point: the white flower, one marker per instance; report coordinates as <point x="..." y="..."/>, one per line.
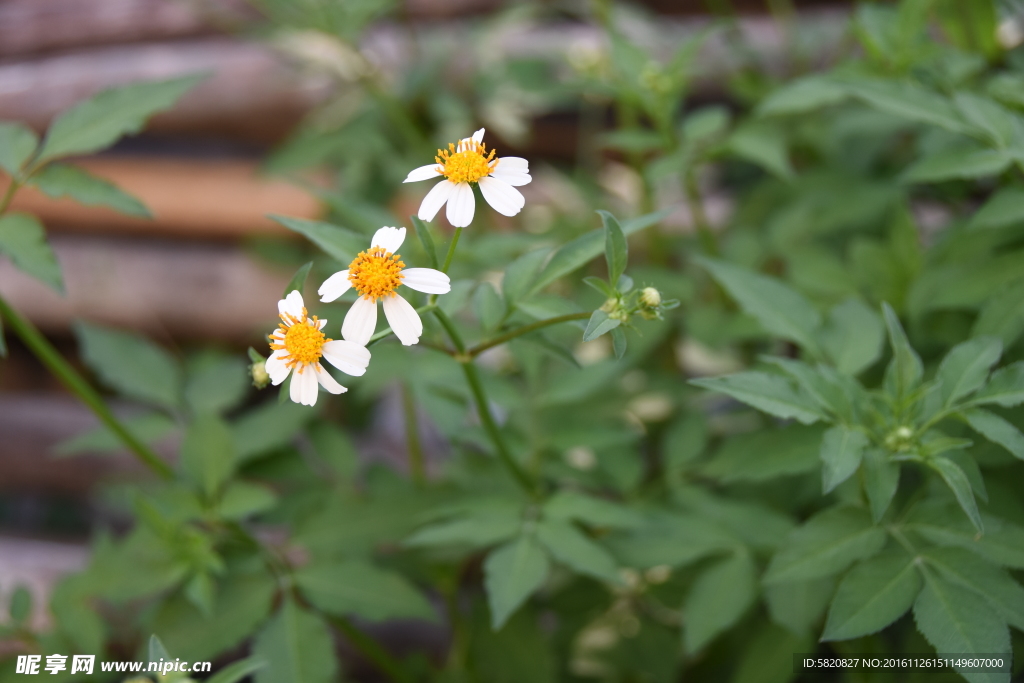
<point x="375" y="274"/>
<point x="298" y="344"/>
<point x="471" y="163"/>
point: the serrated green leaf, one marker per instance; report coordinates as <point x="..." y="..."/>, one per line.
<point x="945" y="524"/>
<point x="599" y="324"/>
<point x="958" y="164"/>
<point x="986" y="115"/>
<point x="146" y="428"/>
<point x="1005" y="207"/>
<point x="242" y="499"/>
<point x="826" y="544"/>
<point x="841" y="451"/>
<point x="427" y="240"/>
<point x="339" y="243"/>
<point x="958" y="482"/>
<point x="298" y="281"/>
<point x="881" y="479"/>
<point x="996" y="429"/>
<point x="965" y="368"/>
<point x="481" y="529"/>
<point x="100" y="121"/>
<point x="207" y="453"/>
<point x="853" y="336"/>
<point x="132" y="365"/>
<point x="359" y="588"/>
<point x="718" y="598"/>
<point x="17" y="142"/>
<point x="297" y="647"/>
<point x="766" y="454"/>
<point x="60" y="180"/>
<point x="23" y="239"/>
<point x="909" y="101"/>
<point x="512" y="573"/>
<point x="872" y="595"/>
<point x="596" y="512"/>
<point x="769" y="393"/>
<point x="672" y="539"/>
<point x="780" y="310"/>
<point x="802" y="95"/>
<point x="905" y="370"/>
<point x="956" y="622"/>
<point x="566" y="544"/>
<point x="236" y="671"/>
<point x="1004" y="595"/>
<point x="616" y="250"/>
<point x="1003" y="315"/>
<point x="765" y="144"/>
<point x="1005" y="387"/>
<point x="800" y="605"/>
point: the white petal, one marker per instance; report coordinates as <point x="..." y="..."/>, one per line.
<point x="512" y="177"/>
<point x="303" y="389"/>
<point x="461" y="205"/>
<point x="506" y="200"/>
<point x="291" y="304"/>
<point x="422" y="173"/>
<point x="326" y="381"/>
<point x="426" y="280"/>
<point x="320" y="324"/>
<point x="517" y="163"/>
<point x="334" y="286"/>
<point x="478" y="136"/>
<point x="276" y="368"/>
<point x="349" y="357"/>
<point x="389" y="238"/>
<point x="435" y="199"/>
<point x="360" y="321"/>
<point x="404" y="320"/>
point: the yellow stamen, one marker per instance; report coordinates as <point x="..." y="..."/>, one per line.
<point x="303" y="340"/>
<point x="467" y="165"/>
<point x="375" y="273"/>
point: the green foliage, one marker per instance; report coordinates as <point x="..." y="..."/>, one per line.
<point x="296" y="645"/>
<point x="23" y="240"/>
<point x="512" y="573"/>
<point x="60" y="180"/>
<point x="132" y="365"/>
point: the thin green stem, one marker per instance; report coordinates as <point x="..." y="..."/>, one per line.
<point x="525" y="329"/>
<point x="372" y="650"/>
<point x="9" y="195"/>
<point x="412" y="436"/>
<point x="451" y="250"/>
<point x="63" y="370"/>
<point x="453" y="334"/>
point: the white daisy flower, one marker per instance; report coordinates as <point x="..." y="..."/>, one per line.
<point x="376" y="274"/>
<point x="472" y="163"/>
<point x="298" y="344"/>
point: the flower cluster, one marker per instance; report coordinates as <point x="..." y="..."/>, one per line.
<point x="299" y="343"/>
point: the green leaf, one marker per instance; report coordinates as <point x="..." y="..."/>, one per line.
<point x="207" y="453"/>
<point x="17" y="142"/>
<point x="358" y="588"/>
<point x="132" y="365"/>
<point x="335" y="447"/>
<point x="965" y="368"/>
<point x="766" y="454"/>
<point x="802" y="95"/>
<point x="944" y="524"/>
<point x="763" y="143"/>
<point x="427" y="240"/>
<point x="512" y="573"/>
<point x="958" y="482"/>
<point x="158" y="653"/>
<point x="826" y="544"/>
<point x="59" y="180"/>
<point x="957" y="164"/>
<point x="595" y="512"/>
<point x="780" y="310"/>
<point x="242" y="499"/>
<point x="200" y="591"/>
<point x="619" y="343"/>
<point x="267" y="428"/>
<point x="339" y="243"/>
<point x="956" y="622"/>
<point x="100" y="121"/>
<point x="521" y="273"/>
<point x="909" y="101"/>
<point x="853" y="336"/>
<point x="881" y="479"/>
<point x="768" y="656"/>
<point x="20" y="606"/>
<point x="146" y="428"/>
<point x="987" y="115"/>
<point x="872" y="595"/>
<point x="298" y="281"/>
<point x="1005" y="387"/>
<point x="616" y="250"/>
<point x="672" y="539"/>
<point x="1004" y="595"/>
<point x="297" y="647"/>
<point x="215" y="383"/>
<point x="769" y="393"/>
<point x="599" y="324"/>
<point x="488" y="306"/>
<point x="483" y="527"/>
<point x="685" y="440"/>
<point x="800" y="605"/>
<point x="1005" y="207"/>
<point x="236" y="671"/>
<point x="23" y="239"/>
<point x="585" y="248"/>
<point x="841" y="451"/>
<point x="1003" y="315"/>
<point x="718" y="598"/>
<point x="568" y="545"/>
<point x="996" y="429"/>
<point x="905" y="370"/>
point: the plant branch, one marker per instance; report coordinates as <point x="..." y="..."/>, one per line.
<point x="412" y="436"/>
<point x="525" y="329"/>
<point x="68" y="376"/>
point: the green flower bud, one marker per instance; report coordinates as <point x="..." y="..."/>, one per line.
<point x="650" y="297"/>
<point x="260" y="376"/>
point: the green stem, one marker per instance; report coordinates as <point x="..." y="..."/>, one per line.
<point x="9" y="195"/>
<point x="525" y="329"/>
<point x="451" y="250"/>
<point x="482" y="405"/>
<point x="372" y="650"/>
<point x="708" y="240"/>
<point x="412" y="436"/>
<point x="63" y="370"/>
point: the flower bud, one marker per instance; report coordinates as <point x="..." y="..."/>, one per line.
<point x="260" y="376"/>
<point x="650" y="297"/>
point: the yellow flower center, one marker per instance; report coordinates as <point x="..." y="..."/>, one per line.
<point x="303" y="340"/>
<point x="375" y="273"/>
<point x="468" y="165"/>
